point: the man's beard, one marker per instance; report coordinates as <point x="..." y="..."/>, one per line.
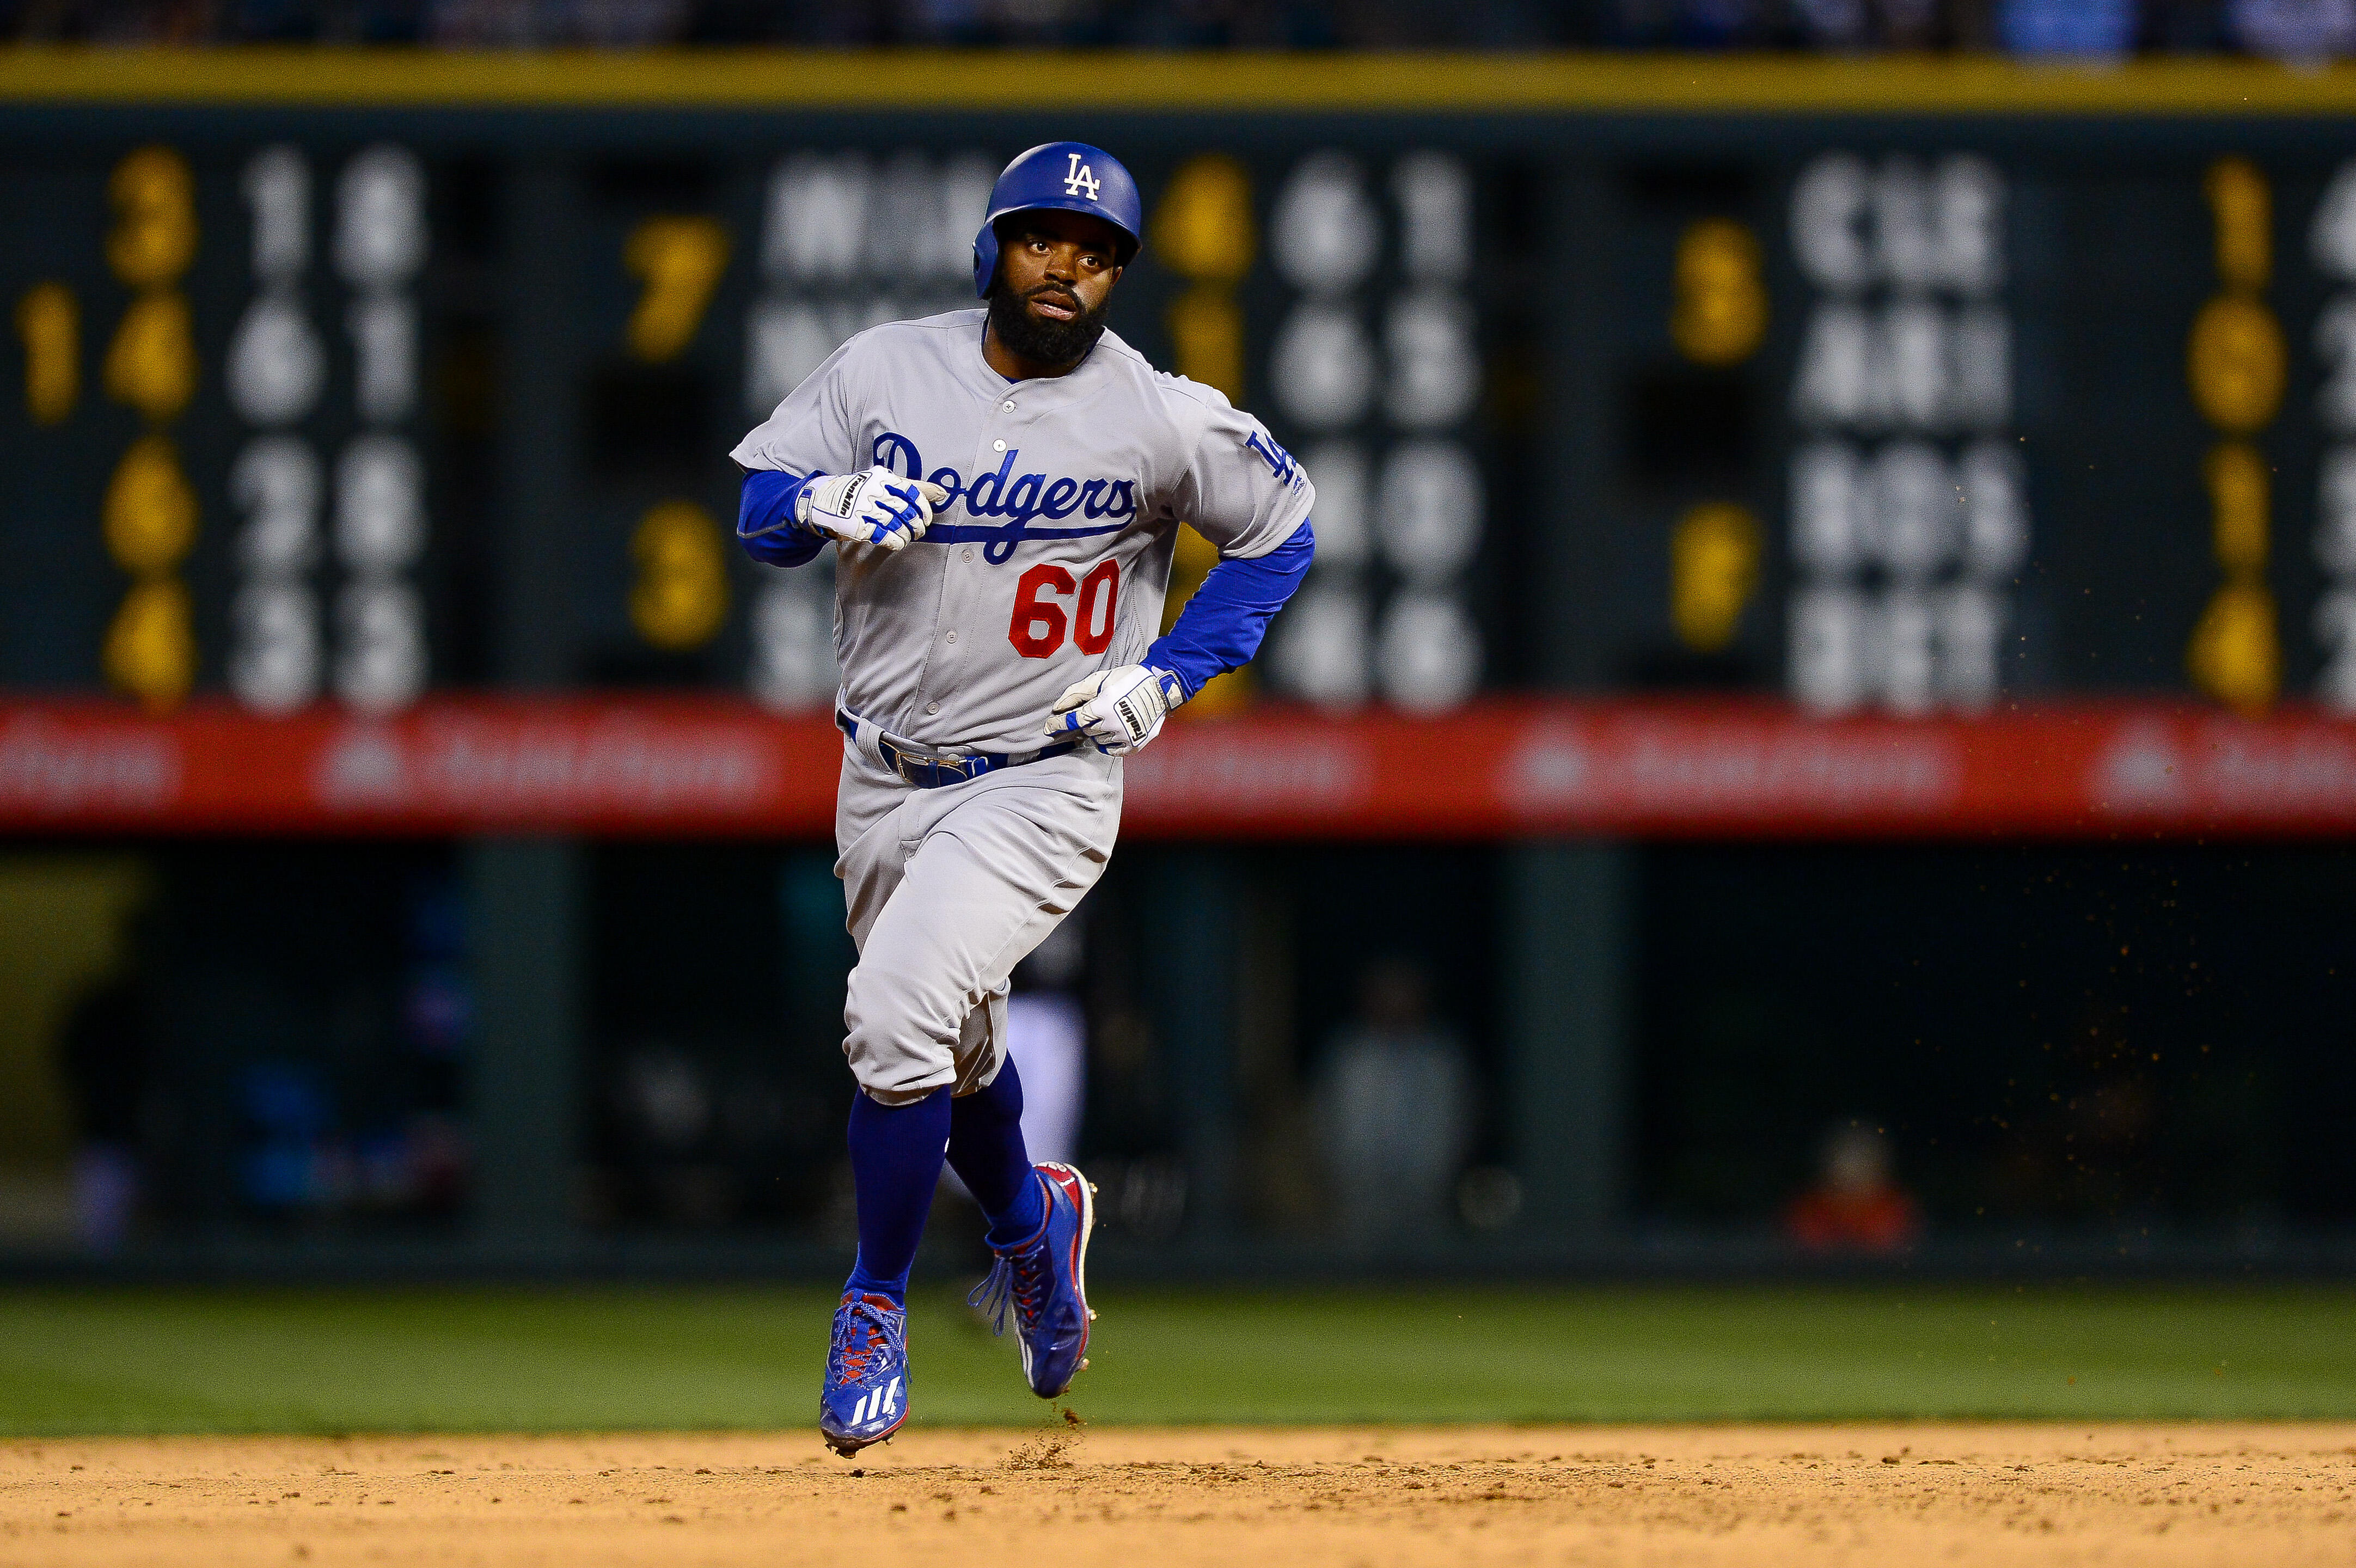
<point x="1056" y="342"/>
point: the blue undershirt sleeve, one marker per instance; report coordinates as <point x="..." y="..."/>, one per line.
<point x="764" y="519"/>
<point x="1221" y="627"/>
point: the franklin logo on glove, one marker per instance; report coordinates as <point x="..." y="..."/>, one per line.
<point x="874" y="506"/>
<point x="1119" y="709"/>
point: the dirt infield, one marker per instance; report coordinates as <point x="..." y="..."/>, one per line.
<point x="1235" y="1497"/>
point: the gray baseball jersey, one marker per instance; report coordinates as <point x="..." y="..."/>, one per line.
<point x="1052" y="557"/>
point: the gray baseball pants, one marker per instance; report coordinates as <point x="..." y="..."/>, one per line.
<point x="948" y="889"/>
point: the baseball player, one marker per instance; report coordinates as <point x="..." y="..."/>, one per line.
<point x="1001" y="488"/>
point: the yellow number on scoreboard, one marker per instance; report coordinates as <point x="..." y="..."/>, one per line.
<point x="679" y="260"/>
<point x="2244" y="210"/>
<point x="1721" y="308"/>
<point x="2238" y="363"/>
<point x="1203" y="229"/>
<point x="2238" y="490"/>
<point x="151" y="651"/>
<point x="2237" y="655"/>
<point x="152" y="363"/>
<point x="682" y="595"/>
<point x="150" y="513"/>
<point x="1713" y="568"/>
<point x="154" y="234"/>
<point x="50" y="324"/>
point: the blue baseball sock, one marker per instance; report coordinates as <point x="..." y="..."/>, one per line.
<point x="986" y="1151"/>
<point x="895" y="1163"/>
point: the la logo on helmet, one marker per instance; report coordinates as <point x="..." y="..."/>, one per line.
<point x="1080" y="179"/>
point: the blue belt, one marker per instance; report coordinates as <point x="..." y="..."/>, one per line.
<point x="932" y="770"/>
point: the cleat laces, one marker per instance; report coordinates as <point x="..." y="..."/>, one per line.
<point x="863" y="1332"/>
<point x="1020" y="1279"/>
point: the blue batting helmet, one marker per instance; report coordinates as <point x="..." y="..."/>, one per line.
<point x="1069" y="176"/>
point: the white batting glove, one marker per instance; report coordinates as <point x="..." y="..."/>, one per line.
<point x="1117" y="710"/>
<point x="874" y="506"/>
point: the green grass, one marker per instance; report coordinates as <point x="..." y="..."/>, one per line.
<point x="457" y="1360"/>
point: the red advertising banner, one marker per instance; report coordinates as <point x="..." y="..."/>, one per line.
<point x="719" y="766"/>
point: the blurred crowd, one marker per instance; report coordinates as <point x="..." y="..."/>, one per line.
<point x="2290" y="29"/>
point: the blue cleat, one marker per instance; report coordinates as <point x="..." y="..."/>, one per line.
<point x="1046" y="1280"/>
<point x="866" y="1394"/>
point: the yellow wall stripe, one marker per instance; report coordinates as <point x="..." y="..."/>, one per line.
<point x="935" y="79"/>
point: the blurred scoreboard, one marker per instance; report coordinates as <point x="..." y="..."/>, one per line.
<point x="1874" y="412"/>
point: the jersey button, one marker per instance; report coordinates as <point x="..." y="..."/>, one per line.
<point x="998" y="446"/>
<point x="968" y="554"/>
<point x="932" y="708"/>
<point x="952" y="636"/>
<point x="1007" y="406"/>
